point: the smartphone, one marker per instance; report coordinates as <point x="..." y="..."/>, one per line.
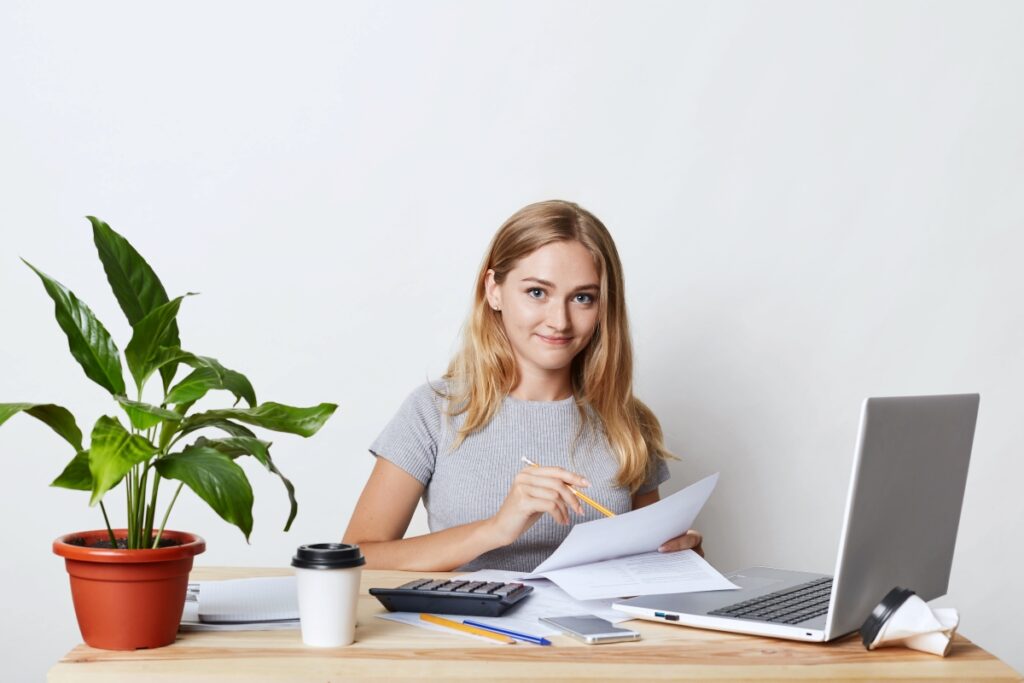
<point x="590" y="629"/>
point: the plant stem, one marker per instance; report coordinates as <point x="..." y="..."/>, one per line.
<point x="110" y="532"/>
<point x="128" y="492"/>
<point x="151" y="512"/>
<point x="156" y="541"/>
<point x="140" y="512"/>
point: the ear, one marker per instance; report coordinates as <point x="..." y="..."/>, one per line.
<point x="493" y="291"/>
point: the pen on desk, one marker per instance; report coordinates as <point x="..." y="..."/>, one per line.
<point x="472" y="630"/>
<point x="536" y="640"/>
<point x="586" y="499"/>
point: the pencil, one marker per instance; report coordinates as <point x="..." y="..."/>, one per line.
<point x="586" y="499"/>
<point x="473" y="630"/>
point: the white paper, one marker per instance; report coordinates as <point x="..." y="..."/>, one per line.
<point x="260" y="599"/>
<point x="190" y="618"/>
<point x="644" y="574"/>
<point x="413" y="619"/>
<point x="546" y="600"/>
<point x="630" y="533"/>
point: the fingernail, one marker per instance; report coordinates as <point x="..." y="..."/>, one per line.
<point x="662" y="549"/>
<point x="586" y="483"/>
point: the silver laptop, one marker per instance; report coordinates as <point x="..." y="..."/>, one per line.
<point x="899" y="529"/>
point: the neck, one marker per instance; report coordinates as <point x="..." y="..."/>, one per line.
<point x="542" y="385"/>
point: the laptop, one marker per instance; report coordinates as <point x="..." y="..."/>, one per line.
<point x="899" y="529"/>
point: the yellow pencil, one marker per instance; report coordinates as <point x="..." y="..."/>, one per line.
<point x="441" y="621"/>
<point x="586" y="499"/>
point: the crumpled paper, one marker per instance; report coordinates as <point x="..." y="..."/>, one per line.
<point x="919" y="627"/>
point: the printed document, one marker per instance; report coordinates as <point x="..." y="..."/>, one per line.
<point x="617" y="556"/>
<point x="644" y="574"/>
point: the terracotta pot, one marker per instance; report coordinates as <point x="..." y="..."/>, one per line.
<point x="128" y="599"/>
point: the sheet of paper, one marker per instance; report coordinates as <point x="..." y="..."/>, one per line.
<point x="643" y="574"/>
<point x="248" y="600"/>
<point x="546" y="600"/>
<point x="413" y="619"/>
<point x="630" y="533"/>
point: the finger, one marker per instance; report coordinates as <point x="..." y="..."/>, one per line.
<point x="691" y="540"/>
<point x="549" y="501"/>
<point x="570" y="478"/>
<point x="563" y="491"/>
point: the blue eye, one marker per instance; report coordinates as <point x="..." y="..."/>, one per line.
<point x="587" y="299"/>
<point x="530" y="292"/>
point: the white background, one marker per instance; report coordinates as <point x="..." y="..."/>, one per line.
<point x="814" y="202"/>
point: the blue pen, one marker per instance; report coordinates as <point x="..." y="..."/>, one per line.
<point x="505" y="632"/>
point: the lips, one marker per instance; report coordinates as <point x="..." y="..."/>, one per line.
<point x="555" y="341"/>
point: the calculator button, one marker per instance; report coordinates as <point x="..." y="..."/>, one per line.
<point x="452" y="586"/>
<point x="469" y="587"/>
<point x="508" y="588"/>
<point x="413" y="584"/>
<point x="432" y="585"/>
<point x="489" y="587"/>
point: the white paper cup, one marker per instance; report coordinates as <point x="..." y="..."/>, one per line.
<point x="327" y="578"/>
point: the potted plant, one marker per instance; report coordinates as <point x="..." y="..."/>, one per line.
<point x="128" y="584"/>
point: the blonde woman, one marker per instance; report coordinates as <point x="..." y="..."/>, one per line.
<point x="545" y="372"/>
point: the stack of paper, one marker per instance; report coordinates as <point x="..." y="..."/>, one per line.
<point x="617" y="557"/>
<point x="259" y="604"/>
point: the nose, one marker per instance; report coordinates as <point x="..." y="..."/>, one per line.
<point x="558" y="316"/>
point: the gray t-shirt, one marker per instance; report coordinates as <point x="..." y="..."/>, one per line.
<point x="470" y="483"/>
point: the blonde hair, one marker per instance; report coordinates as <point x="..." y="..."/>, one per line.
<point x="484" y="370"/>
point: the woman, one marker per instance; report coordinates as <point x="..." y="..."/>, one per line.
<point x="545" y="372"/>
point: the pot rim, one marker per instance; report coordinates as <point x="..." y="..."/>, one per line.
<point x="190" y="545"/>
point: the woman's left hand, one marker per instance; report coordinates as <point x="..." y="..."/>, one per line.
<point x="691" y="540"/>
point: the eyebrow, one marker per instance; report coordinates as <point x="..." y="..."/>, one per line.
<point x="552" y="284"/>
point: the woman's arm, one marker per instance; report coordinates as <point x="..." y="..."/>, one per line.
<point x="692" y="539"/>
<point x="386" y="506"/>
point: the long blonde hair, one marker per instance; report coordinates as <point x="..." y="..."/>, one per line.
<point x="484" y="370"/>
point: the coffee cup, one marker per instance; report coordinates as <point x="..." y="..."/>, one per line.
<point x="327" y="579"/>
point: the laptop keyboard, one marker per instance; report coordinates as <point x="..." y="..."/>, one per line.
<point x="789" y="606"/>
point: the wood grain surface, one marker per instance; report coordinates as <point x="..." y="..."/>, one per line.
<point x="387" y="650"/>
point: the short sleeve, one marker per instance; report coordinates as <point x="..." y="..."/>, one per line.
<point x="410" y="439"/>
<point x="658" y="475"/>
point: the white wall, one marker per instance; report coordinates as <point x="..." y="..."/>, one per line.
<point x="814" y="202"/>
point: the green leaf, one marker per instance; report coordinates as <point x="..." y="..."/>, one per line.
<point x="235" y="382"/>
<point x="137" y="288"/>
<point x="194" y="386"/>
<point x="276" y="416"/>
<point x="88" y="339"/>
<point x="194" y="422"/>
<point x="112" y="454"/>
<point x="166" y="355"/>
<point x="76" y="475"/>
<point x="145" y="415"/>
<point x="238" y="446"/>
<point x="148" y="335"/>
<point x="56" y="417"/>
<point x="216" y="479"/>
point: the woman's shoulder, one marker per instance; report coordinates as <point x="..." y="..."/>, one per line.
<point x="430" y="395"/>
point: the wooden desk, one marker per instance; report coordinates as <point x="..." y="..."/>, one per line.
<point x="388" y="650"/>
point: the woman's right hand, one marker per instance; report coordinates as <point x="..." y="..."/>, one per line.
<point x="534" y="491"/>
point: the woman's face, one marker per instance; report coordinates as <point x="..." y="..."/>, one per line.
<point x="549" y="305"/>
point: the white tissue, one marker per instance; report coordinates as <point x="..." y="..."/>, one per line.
<point x="919" y="627"/>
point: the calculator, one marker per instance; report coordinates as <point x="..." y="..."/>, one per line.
<point x="452" y="596"/>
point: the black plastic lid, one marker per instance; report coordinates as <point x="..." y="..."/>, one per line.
<point x="881" y="613"/>
<point x="328" y="556"/>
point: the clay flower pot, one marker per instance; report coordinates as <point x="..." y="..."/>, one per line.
<point x="128" y="599"/>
